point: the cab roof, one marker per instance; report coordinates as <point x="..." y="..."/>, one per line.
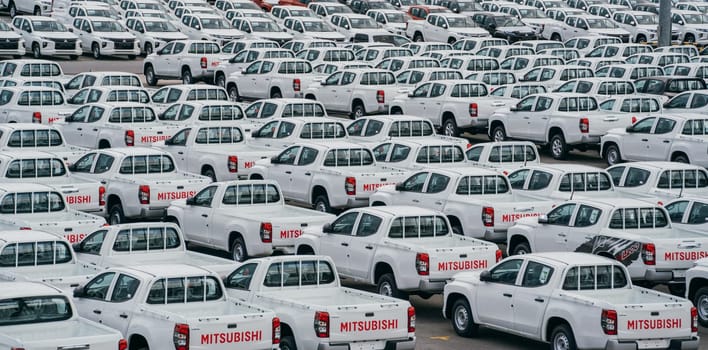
<point x="28" y="236"/>
<point x="133" y="151"/>
<point x="168" y="270"/>
<point x="663" y="165"/>
<point x="25" y="289"/>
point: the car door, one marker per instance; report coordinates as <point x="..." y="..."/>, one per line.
<point x="92" y="302"/>
<point x="176" y="145"/>
<point x="282" y="170"/>
<point x="660" y="140"/>
<point x="538" y="119"/>
<point x="303" y="172"/>
<point x="494" y="299"/>
<point x="363" y="245"/>
<point x="409" y="191"/>
<point x="262" y="80"/>
<point x="335" y="242"/>
<point x="176" y="58"/>
<point x="92" y="129"/>
<point x="344" y="91"/>
<point x="74" y="126"/>
<point x="165" y="61"/>
<point x="197" y="217"/>
<point x="115" y="310"/>
<point x="552" y="236"/>
<point x="635" y="144"/>
<point x="434" y="102"/>
<point x="531" y="298"/>
<point x="517" y="124"/>
<point x="418" y="100"/>
<point x="434" y="195"/>
<point x="329" y="88"/>
<point x="247" y="81"/>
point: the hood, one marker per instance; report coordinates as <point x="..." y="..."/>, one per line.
<point x="518" y="29"/>
<point x="273" y="35"/>
<point x="617" y="131"/>
<point x="10" y="35"/>
<point x="474" y="30"/>
<point x="169" y="36"/>
<point x="115" y="35"/>
<point x="327" y="35"/>
<point x="649" y="27"/>
<point x="56" y="35"/>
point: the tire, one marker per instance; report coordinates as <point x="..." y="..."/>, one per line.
<point x="358" y="110"/>
<point x="462" y="320"/>
<point x="287" y="343"/>
<point x="556" y="37"/>
<point x="559" y="149"/>
<point x="131" y="57"/>
<point x="612" y="155"/>
<point x="498" y="134"/>
<point x="73" y="57"/>
<point x="13" y="9"/>
<point x="562" y="338"/>
<point x="95" y="51"/>
<point x="386" y="285"/>
<point x="701" y="302"/>
<point x="148" y="49"/>
<point x="322" y="204"/>
<point x="276" y="94"/>
<point x="115" y="214"/>
<point x="187" y="76"/>
<point x="233" y="94"/>
<point x="689" y="38"/>
<point x="521" y="249"/>
<point x="36" y="51"/>
<point x="37" y="11"/>
<point x="238" y="250"/>
<point x="209" y="172"/>
<point x="418" y="37"/>
<point x="677" y="289"/>
<point x="449" y="128"/>
<point x="220" y="81"/>
<point x="640" y="39"/>
<point x="150" y="77"/>
<point x="680" y="158"/>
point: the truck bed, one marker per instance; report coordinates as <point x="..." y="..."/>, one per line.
<point x="63" y="276"/>
<point x="221" y="266"/>
<point x="323" y="296"/>
<point x="69" y="333"/>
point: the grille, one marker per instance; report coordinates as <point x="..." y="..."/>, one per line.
<point x="7" y="44"/>
<point x="64" y="44"/>
<point x="123" y="44"/>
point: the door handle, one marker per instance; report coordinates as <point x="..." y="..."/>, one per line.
<point x="544" y="118"/>
<point x="205" y="215"/>
<point x="645" y="140"/>
<point x="539" y="300"/>
<point x="345" y="244"/>
<point x="508" y="295"/>
<point x="561" y="235"/>
<point x="666" y="141"/>
<point x="79" y="129"/>
<point x="369" y="247"/>
<point x="416" y="201"/>
<point x="97" y="312"/>
<point x="288" y="172"/>
<point x="308" y="174"/>
<point x="123" y="316"/>
<point x="95" y="129"/>
<point x="438" y="202"/>
<point x="180" y="152"/>
<point x="588" y="237"/>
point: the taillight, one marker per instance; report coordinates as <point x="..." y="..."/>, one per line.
<point x="634" y="120"/>
<point x="488" y="216"/>
<point x="122" y="344"/>
<point x="296" y="85"/>
<point x="411" y="319"/>
<point x="473" y="110"/>
<point x="130" y="138"/>
<point x="144" y="194"/>
<point x="101" y="196"/>
<point x="584" y="125"/>
<point x="233" y="164"/>
<point x="649" y="253"/>
<point x="276" y="330"/>
<point x="608" y="321"/>
<point x="380" y="96"/>
<point x="266" y="232"/>
<point x="17" y="348"/>
<point x="350" y="186"/>
<point x="25" y="228"/>
<point x="422" y="264"/>
<point x="181" y="336"/>
<point x="322" y="324"/>
<point x="203" y="62"/>
<point x="694" y="320"/>
<point x="37" y="117"/>
<point x="499" y="255"/>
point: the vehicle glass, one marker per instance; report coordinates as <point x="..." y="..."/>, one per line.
<point x="28" y="310"/>
<point x="35" y="253"/>
<point x="146" y="239"/>
<point x="418" y="227"/>
<point x="184" y="290"/>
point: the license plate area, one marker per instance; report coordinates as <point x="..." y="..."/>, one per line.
<point x="653" y="344"/>
<point x="371" y="345"/>
<point x="679" y="273"/>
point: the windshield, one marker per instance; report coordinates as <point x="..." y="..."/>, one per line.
<point x="469" y="6"/>
<point x="214" y="23"/>
<point x="98" y="13"/>
<point x="315" y="26"/>
<point x="363" y="23"/>
<point x="48" y="26"/>
<point x="647" y="19"/>
<point x="106" y="26"/>
<point x="395" y="18"/>
<point x="509" y="22"/>
<point x="148" y="6"/>
<point x="338" y="9"/>
<point x="695" y="19"/>
<point x="532" y="13"/>
<point x="264" y="27"/>
<point x="600" y="23"/>
<point x="4" y="27"/>
<point x="301" y="13"/>
<point x="26" y="310"/>
<point x="159" y="26"/>
<point x="460" y="22"/>
<point x="396" y="40"/>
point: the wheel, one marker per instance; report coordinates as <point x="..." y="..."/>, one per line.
<point x="498" y="133"/>
<point x="187" y="76"/>
<point x="150" y="76"/>
<point x="556" y="37"/>
<point x="397" y="111"/>
<point x="209" y="172"/>
<point x="73" y="57"/>
<point x="641" y="38"/>
<point x="677" y="289"/>
<point x="238" y="250"/>
<point x="36" y="52"/>
<point x="288" y="343"/>
<point x="322" y="204"/>
<point x="701" y="302"/>
<point x="37" y="11"/>
<point x="521" y="249"/>
<point x="559" y="149"/>
<point x="131" y="57"/>
<point x="562" y="338"/>
<point x="680" y="158"/>
<point x="449" y="128"/>
<point x="115" y="215"/>
<point x="276" y="94"/>
<point x="233" y="94"/>
<point x="95" y="51"/>
<point x="220" y="81"/>
<point x="462" y="320"/>
<point x="418" y="37"/>
<point x="13" y="9"/>
<point x="386" y="285"/>
<point x="358" y="110"/>
<point x="689" y="38"/>
<point x="148" y="49"/>
<point x="612" y="155"/>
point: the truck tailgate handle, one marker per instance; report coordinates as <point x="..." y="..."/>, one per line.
<point x="689" y="245"/>
<point x="345" y="244"/>
<point x="123" y="316"/>
<point x="508" y="295"/>
<point x="180" y="187"/>
<point x="383" y="179"/>
<point x="524" y="209"/>
<point x="462" y="256"/>
<point x="369" y="247"/>
<point x="159" y="132"/>
<point x="539" y="300"/>
<point x="68" y="229"/>
<point x="369" y="314"/>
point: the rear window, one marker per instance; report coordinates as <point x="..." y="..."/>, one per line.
<point x="34" y="138"/>
<point x="146" y="239"/>
<point x="40" y="98"/>
<point x="300" y="110"/>
<point x="595" y="277"/>
<point x="132" y="115"/>
<point x="328" y="130"/>
<point x="512" y="154"/>
<point x="476" y="185"/>
<point x="184" y="290"/>
<point x="121" y="80"/>
<point x="695" y="126"/>
<point x="299" y="273"/>
<point x="40" y="70"/>
<point x="440" y="154"/>
<point x="31" y="202"/>
<point x="207" y="95"/>
<point x="138" y="96"/>
<point x="224" y="112"/>
<point x="248" y="194"/>
<point x="35" y="253"/>
<point x="637" y="218"/>
<point x="294" y="68"/>
<point x="154" y="164"/>
<point x="204" y="47"/>
<point x="32" y="168"/>
<point x="418" y="227"/>
<point x="378" y="78"/>
<point x="348" y="157"/>
<point x="29" y="310"/>
<point x="410" y="129"/>
<point x="683" y="179"/>
<point x="219" y="135"/>
<point x="582" y="182"/>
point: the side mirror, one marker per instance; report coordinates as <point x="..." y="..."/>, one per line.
<point x="159" y="53"/>
<point x="629" y="129"/>
<point x="485" y="276"/>
<point x="301" y="30"/>
<point x="400" y="187"/>
<point x="71" y="29"/>
<point x="190" y="201"/>
<point x="79" y="292"/>
<point x="327" y="228"/>
<point x="274" y="160"/>
<point x="141" y="30"/>
<point x="169" y="142"/>
<point x="680" y="23"/>
<point x="76" y="247"/>
<point x="72" y="167"/>
<point x="493" y="25"/>
<point x="543" y="219"/>
<point x="89" y="30"/>
<point x="247" y="30"/>
<point x="410" y="94"/>
<point x="285" y="30"/>
<point x="198" y="27"/>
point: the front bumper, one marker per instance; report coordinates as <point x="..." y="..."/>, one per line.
<point x="403" y="344"/>
<point x="682" y="344"/>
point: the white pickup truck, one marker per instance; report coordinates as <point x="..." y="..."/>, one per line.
<point x="478" y="202"/>
<point x="271" y="78"/>
<point x="144" y="244"/>
<point x="570" y="300"/>
<point x="689" y="213"/>
<point x="45" y="168"/>
<point x="120" y="124"/>
<point x="218" y="150"/>
<point x="636" y="233"/>
<point x="39" y="316"/>
<point x="505" y="156"/>
<point x="281" y="133"/>
<point x="445" y="27"/>
<point x="32" y="206"/>
<point x="188" y="60"/>
<point x="664" y="181"/>
<point x="33" y="104"/>
<point x="38" y="256"/>
<point x="420" y="154"/>
<point x="166" y="307"/>
<point x="400" y="249"/>
<point x="329" y="175"/>
<point x="303" y="288"/>
<point x="140" y="182"/>
<point x="48" y="138"/>
<point x="244" y="218"/>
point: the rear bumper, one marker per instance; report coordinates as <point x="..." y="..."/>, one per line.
<point x="431" y="286"/>
<point x="494" y="235"/>
<point x="153" y="212"/>
<point x="653" y="275"/>
<point x="404" y="344"/>
<point x="682" y="344"/>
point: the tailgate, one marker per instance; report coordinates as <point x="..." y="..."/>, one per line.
<point x="463" y="256"/>
<point x="164" y="192"/>
<point x="373" y="322"/>
<point x="243" y="332"/>
<point x="505" y="215"/>
<point x="679" y="254"/>
<point x="81" y="195"/>
<point x="654" y="321"/>
<point x="287" y="230"/>
<point x="147" y="135"/>
<point x="603" y="123"/>
<point x="368" y="183"/>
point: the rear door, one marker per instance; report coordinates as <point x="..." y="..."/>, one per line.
<point x="116" y="314"/>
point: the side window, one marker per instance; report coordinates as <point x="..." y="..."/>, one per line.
<point x="664" y="126"/>
<point x="98" y="287"/>
<point x="344" y="225"/>
<point x="636" y="177"/>
<point x="124" y="288"/>
<point x="84" y="164"/>
<point x="368" y="225"/>
<point x="561" y="215"/>
<point x="536" y="275"/>
<point x="205" y="197"/>
<point x="288" y="156"/>
<point x="437" y="183"/>
<point x="241" y="278"/>
<point x="587" y="216"/>
<point x="92" y="244"/>
<point x="307" y="156"/>
<point x="415" y="183"/>
<point x="677" y="209"/>
<point x="643" y="126"/>
<point x="699" y="214"/>
<point x="506" y="272"/>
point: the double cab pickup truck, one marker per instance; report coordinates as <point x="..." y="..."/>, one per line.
<point x="303" y="288"/>
<point x="245" y="218"/>
<point x="39" y="137"/>
<point x="570" y="300"/>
